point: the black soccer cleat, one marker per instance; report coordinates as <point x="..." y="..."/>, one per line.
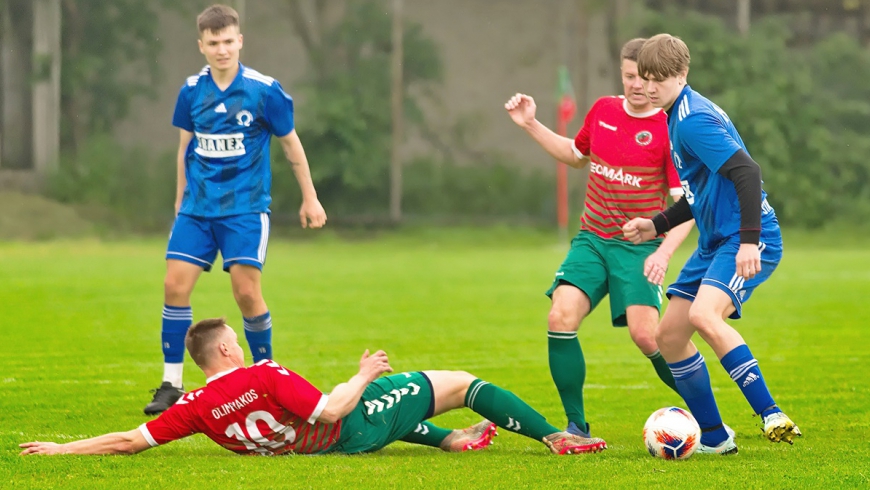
<point x="164" y="397"/>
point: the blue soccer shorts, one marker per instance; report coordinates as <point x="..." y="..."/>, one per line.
<point x="718" y="268"/>
<point x="241" y="239"/>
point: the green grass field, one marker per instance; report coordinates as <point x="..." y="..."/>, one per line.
<point x="79" y="350"/>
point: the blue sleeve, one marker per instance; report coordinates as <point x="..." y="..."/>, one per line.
<point x="279" y="110"/>
<point x="181" y="118"/>
<point x="708" y="139"/>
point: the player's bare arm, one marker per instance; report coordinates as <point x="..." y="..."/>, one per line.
<point x="522" y="110"/>
<point x="181" y="180"/>
<point x="346" y="396"/>
<point x="130" y="442"/>
<point x="656" y="265"/>
<point x="311" y="214"/>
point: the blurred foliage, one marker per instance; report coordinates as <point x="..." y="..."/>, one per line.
<point x="110" y="55"/>
<point x="803" y="114"/>
<point x="346" y="124"/>
<point x="125" y="189"/>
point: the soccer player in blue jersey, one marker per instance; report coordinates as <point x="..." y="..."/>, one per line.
<point x="738" y="248"/>
<point x="226" y="114"/>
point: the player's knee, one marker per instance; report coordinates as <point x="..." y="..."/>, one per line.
<point x="175" y="289"/>
<point x="563" y="319"/>
<point x="664" y="336"/>
<point x="703" y="319"/>
<point x="246" y="295"/>
<point x="645" y="339"/>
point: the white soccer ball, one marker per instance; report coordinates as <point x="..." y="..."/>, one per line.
<point x="671" y="433"/>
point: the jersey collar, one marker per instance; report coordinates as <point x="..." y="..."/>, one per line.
<point x="237" y="77"/>
<point x="683" y="94"/>
<point x="219" y="375"/>
<point x="631" y="113"/>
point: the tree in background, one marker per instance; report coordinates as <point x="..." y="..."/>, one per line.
<point x="346" y="124"/>
<point x="803" y="112"/>
<point x="110" y="55"/>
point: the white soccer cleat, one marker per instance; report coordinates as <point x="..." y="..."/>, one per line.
<point x="727" y="447"/>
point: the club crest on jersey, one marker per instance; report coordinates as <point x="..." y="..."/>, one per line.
<point x="244" y="118"/>
<point x="643" y="138"/>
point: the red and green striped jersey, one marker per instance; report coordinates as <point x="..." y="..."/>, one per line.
<point x="264" y="409"/>
<point x="631" y="170"/>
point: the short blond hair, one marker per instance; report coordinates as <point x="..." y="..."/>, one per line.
<point x="663" y="56"/>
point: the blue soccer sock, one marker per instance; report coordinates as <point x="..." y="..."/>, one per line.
<point x="743" y="369"/>
<point x="258" y="331"/>
<point x="693" y="383"/>
<point x="176" y="321"/>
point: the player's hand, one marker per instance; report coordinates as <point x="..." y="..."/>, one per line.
<point x="522" y="109"/>
<point x="372" y="366"/>
<point x="655" y="266"/>
<point x="41" y="448"/>
<point x="748" y="260"/>
<point x="639" y="230"/>
<point x="311" y="214"/>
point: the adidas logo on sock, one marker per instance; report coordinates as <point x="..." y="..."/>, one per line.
<point x="749" y="379"/>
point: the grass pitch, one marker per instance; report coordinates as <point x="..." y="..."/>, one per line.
<point x="79" y="350"/>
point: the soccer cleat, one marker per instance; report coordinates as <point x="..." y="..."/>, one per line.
<point x="778" y="427"/>
<point x="730" y="431"/>
<point x="727" y="447"/>
<point x="565" y="443"/>
<point x="575" y="430"/>
<point x="164" y="397"/>
<point x="474" y="438"/>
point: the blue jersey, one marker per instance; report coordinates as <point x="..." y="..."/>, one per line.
<point x="703" y="138"/>
<point x="227" y="166"/>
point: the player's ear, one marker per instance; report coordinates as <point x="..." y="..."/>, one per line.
<point x="241" y="41"/>
<point x="199" y="42"/>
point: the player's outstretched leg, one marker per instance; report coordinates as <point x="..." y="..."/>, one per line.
<point x="744" y="370"/>
<point x="478" y="436"/>
<point x="455" y="389"/>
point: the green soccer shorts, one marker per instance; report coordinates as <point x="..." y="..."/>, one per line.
<point x="600" y="266"/>
<point x="391" y="407"/>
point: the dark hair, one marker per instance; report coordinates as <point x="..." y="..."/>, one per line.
<point x="201" y="337"/>
<point x="631" y="49"/>
<point x="217" y="18"/>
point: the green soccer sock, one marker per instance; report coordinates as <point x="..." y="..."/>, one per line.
<point x="662" y="369"/>
<point x="506" y="410"/>
<point x="568" y="368"/>
<point x="427" y="434"/>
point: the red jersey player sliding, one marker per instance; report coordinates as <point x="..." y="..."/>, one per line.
<point x="268" y="409"/>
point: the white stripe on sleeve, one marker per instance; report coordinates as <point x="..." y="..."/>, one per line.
<point x="318" y="409"/>
<point x="147" y="435"/>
